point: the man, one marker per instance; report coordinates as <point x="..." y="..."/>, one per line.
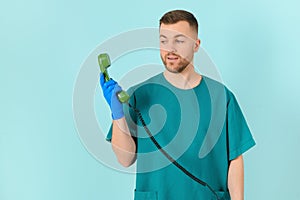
<point x="192" y="107"/>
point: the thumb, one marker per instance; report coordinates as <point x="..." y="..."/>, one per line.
<point x="117" y="89"/>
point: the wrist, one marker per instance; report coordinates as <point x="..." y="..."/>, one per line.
<point x="117" y="114"/>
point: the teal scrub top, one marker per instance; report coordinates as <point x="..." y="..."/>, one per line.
<point x="203" y="128"/>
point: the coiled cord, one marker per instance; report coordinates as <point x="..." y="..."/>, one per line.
<point x="172" y="160"/>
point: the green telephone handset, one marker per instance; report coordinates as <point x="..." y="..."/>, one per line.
<point x="104" y="63"/>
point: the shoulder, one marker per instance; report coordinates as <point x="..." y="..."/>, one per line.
<point x="218" y="88"/>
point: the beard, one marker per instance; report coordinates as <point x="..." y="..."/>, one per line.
<point x="176" y="66"/>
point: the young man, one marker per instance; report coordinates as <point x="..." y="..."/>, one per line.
<point x="183" y="110"/>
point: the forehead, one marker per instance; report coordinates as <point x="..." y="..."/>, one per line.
<point x="179" y="28"/>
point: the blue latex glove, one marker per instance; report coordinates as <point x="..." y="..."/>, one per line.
<point x="110" y="89"/>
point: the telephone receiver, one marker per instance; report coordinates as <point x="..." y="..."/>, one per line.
<point x="104" y="63"/>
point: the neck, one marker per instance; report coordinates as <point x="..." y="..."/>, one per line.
<point x="187" y="79"/>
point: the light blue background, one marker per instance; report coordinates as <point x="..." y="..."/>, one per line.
<point x="255" y="45"/>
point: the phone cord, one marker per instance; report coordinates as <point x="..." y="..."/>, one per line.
<point x="168" y="155"/>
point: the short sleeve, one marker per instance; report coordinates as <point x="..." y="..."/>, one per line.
<point x="239" y="136"/>
<point x="130" y="117"/>
<point x="109" y="134"/>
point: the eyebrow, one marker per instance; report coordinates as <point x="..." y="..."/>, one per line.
<point x="176" y="36"/>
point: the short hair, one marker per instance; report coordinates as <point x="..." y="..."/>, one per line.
<point x="175" y="16"/>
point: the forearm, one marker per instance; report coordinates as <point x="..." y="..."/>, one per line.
<point x="236" y="179"/>
<point x="122" y="143"/>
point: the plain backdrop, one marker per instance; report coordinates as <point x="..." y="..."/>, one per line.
<point x="254" y="44"/>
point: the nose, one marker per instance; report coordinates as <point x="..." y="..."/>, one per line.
<point x="171" y="48"/>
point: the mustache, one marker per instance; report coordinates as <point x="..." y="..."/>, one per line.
<point x="172" y="54"/>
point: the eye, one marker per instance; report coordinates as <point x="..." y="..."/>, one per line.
<point x="163" y="41"/>
<point x="179" y="41"/>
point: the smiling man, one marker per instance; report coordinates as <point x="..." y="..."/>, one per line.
<point x="184" y="95"/>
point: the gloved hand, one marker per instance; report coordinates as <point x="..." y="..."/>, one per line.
<point x="110" y="90"/>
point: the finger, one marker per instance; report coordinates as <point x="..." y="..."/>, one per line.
<point x="109" y="91"/>
<point x="109" y="83"/>
<point x="111" y="87"/>
<point x="102" y="79"/>
<point x="117" y="88"/>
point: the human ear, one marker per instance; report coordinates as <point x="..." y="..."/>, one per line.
<point x="197" y="45"/>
